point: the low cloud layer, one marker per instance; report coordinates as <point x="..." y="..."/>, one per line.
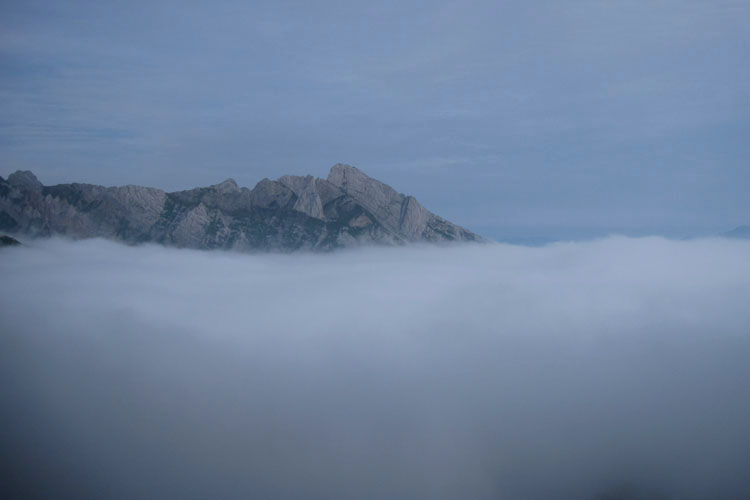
<point x="610" y="369"/>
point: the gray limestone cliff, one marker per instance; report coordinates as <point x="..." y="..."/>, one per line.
<point x="292" y="213"/>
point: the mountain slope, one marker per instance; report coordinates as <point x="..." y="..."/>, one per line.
<point x="7" y="241"/>
<point x="740" y="232"/>
<point x="291" y="213"/>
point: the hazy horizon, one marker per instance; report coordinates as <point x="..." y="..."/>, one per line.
<point x="542" y="234"/>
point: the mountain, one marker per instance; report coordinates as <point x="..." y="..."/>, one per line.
<point x="291" y="213"/>
<point x="7" y="241"/>
<point x="740" y="232"/>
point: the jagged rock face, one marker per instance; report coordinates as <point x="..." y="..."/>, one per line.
<point x="398" y="213"/>
<point x="294" y="212"/>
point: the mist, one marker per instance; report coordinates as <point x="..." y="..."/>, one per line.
<point x="610" y="369"/>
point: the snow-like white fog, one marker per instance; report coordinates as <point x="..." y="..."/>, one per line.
<point x="610" y="369"/>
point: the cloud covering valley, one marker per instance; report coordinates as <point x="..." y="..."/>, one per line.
<point x="576" y="370"/>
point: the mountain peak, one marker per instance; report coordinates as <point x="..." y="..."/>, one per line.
<point x="25" y="179"/>
<point x="227" y="186"/>
<point x="341" y="174"/>
<point x="291" y="213"/>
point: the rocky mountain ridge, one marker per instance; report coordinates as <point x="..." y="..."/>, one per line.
<point x="348" y="208"/>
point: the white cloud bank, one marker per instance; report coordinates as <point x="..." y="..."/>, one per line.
<point x="587" y="370"/>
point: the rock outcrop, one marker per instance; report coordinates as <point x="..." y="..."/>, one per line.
<point x="7" y="241"/>
<point x="292" y="213"/>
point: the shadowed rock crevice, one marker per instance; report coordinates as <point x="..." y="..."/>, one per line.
<point x="7" y="241"/>
<point x="291" y="213"/>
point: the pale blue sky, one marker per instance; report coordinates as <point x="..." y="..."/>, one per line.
<point x="525" y="116"/>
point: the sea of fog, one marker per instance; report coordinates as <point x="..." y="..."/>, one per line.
<point x="611" y="369"/>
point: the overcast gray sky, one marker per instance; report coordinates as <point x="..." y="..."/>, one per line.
<point x="497" y="115"/>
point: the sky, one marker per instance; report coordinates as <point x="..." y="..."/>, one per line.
<point x="512" y="117"/>
<point x="608" y="369"/>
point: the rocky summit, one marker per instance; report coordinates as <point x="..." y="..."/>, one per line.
<point x="291" y="213"/>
